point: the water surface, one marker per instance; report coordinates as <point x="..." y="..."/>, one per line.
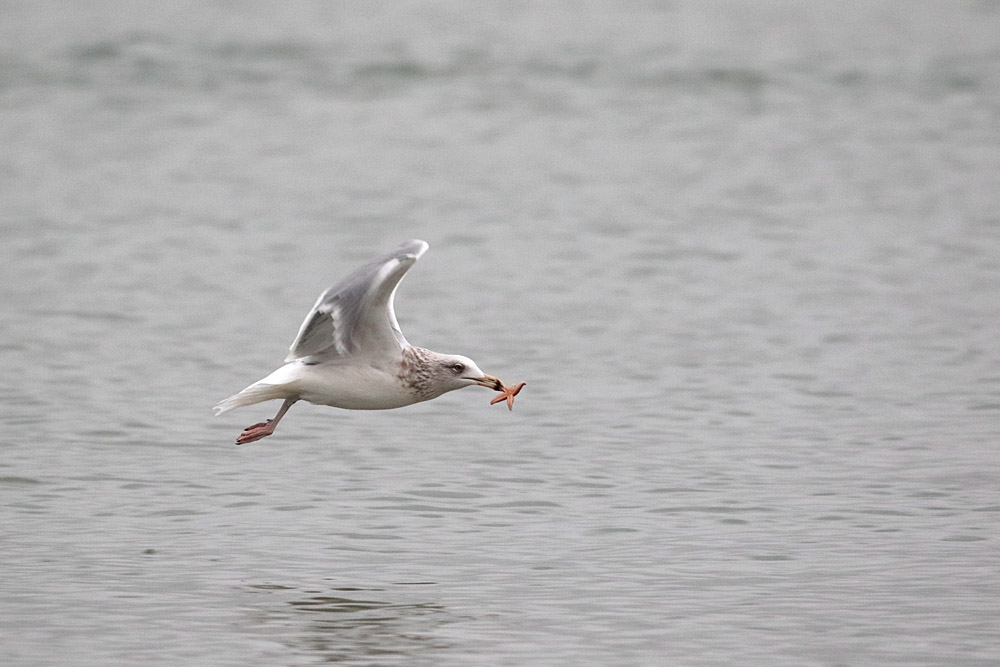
<point x="747" y="262"/>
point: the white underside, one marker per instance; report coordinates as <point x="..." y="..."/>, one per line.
<point x="349" y="386"/>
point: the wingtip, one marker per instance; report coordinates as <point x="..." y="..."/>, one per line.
<point x="417" y="247"/>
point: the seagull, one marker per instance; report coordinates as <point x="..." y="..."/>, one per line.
<point x="350" y="353"/>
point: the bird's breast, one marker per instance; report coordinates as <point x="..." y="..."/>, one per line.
<point x="355" y="387"/>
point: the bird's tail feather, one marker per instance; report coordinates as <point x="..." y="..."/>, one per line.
<point x="255" y="393"/>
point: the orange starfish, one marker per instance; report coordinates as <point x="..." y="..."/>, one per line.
<point x="508" y="393"/>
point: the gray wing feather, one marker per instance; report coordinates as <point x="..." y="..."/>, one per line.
<point x="356" y="316"/>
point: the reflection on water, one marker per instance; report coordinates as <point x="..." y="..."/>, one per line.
<point x="350" y="624"/>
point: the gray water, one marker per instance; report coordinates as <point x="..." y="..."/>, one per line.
<point x="745" y="255"/>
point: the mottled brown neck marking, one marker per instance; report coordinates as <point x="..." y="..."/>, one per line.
<point x="415" y="371"/>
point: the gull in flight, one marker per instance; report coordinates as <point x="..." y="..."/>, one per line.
<point x="350" y="353"/>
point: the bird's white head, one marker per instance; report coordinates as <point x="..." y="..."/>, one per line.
<point x="430" y="374"/>
<point x="454" y="371"/>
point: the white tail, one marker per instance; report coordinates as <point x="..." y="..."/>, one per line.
<point x="255" y="393"/>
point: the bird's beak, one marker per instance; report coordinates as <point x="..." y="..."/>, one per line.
<point x="489" y="382"/>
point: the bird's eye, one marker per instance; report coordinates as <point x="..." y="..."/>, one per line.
<point x="458" y="368"/>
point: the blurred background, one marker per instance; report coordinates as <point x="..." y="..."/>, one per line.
<point x="745" y="255"/>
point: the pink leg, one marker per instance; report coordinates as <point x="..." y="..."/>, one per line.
<point x="264" y="429"/>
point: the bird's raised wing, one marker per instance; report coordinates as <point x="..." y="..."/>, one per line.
<point x="355" y="316"/>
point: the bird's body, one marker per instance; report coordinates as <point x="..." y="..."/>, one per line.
<point x="378" y="384"/>
<point x="371" y="387"/>
<point x="350" y="353"/>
